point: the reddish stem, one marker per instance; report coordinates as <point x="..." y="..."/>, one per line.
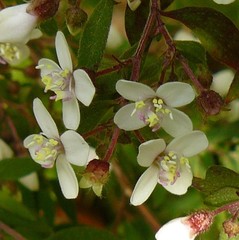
<point x="112" y="145"/>
<point x="114" y="68"/>
<point x="11" y="231"/>
<point x="137" y="58"/>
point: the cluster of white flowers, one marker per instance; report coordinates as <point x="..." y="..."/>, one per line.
<point x="49" y="147"/>
<point x="167" y="165"/>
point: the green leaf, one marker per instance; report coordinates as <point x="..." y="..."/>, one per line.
<point x="135" y="21"/>
<point x="220" y="186"/>
<point x="94" y="36"/>
<point x="76" y="233"/>
<point x="217" y="177"/>
<point x="217" y="33"/>
<point x="222" y="196"/>
<point x="14" y="168"/>
<point x="233" y="92"/>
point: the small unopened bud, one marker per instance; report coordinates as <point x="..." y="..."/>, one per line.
<point x="185" y="228"/>
<point x="75" y="19"/>
<point x="231" y="228"/>
<point x="44" y="9"/>
<point x="211" y="102"/>
<point x="96" y="175"/>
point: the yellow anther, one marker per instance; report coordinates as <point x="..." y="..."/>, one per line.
<point x="53" y="142"/>
<point x="139" y="104"/>
<point x="152" y="119"/>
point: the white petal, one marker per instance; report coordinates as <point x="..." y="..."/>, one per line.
<point x="175" y="229"/>
<point x="224" y="1"/>
<point x="47" y="66"/>
<point x="190" y="144"/>
<point x="145" y="185"/>
<point x="36" y="33"/>
<point x="179" y="125"/>
<point x="5" y="150"/>
<point x="67" y="178"/>
<point x="16" y="24"/>
<point x="183" y="182"/>
<point x="71" y="113"/>
<point x="84" y="88"/>
<point x="63" y="52"/>
<point x="76" y="148"/>
<point x="30" y="181"/>
<point x="133" y="4"/>
<point x="134" y="91"/>
<point x="149" y="150"/>
<point x="44" y="119"/>
<point x="124" y="120"/>
<point x="176" y="94"/>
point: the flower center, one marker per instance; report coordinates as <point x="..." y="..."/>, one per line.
<point x="151" y="111"/>
<point x="46" y="150"/>
<point x="60" y="83"/>
<point x="170" y="167"/>
<point x="9" y="52"/>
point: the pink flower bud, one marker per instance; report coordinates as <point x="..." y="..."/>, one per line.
<point x="185" y="228"/>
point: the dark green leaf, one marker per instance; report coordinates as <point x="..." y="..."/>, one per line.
<point x="94" y="36"/>
<point x="14" y="168"/>
<point x="217" y="177"/>
<point x="193" y="51"/>
<point x="233" y="92"/>
<point x="165" y="3"/>
<point x="217" y="33"/>
<point x="102" y="110"/>
<point x="76" y="233"/>
<point x="135" y="21"/>
<point x="222" y="196"/>
<point x="49" y="27"/>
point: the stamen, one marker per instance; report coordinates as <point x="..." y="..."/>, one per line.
<point x="9" y="52"/>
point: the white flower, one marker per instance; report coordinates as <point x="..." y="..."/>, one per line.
<point x="66" y="84"/>
<point x="167" y="165"/>
<point x="5" y="150"/>
<point x="49" y="147"/>
<point x="176" y="229"/>
<point x="156" y="109"/>
<point x="17" y="27"/>
<point x="133" y="4"/>
<point x="224" y="1"/>
<point x="222" y="81"/>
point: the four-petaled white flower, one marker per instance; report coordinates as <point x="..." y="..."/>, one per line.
<point x="156" y="109"/>
<point x="67" y="84"/>
<point x="167" y="165"/>
<point x="133" y="4"/>
<point x="177" y="226"/>
<point x="49" y="147"/>
<point x="17" y="27"/>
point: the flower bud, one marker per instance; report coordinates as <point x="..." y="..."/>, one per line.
<point x="43" y="9"/>
<point x="185" y="228"/>
<point x="96" y="175"/>
<point x="75" y="19"/>
<point x="231" y="228"/>
<point x="210" y="101"/>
